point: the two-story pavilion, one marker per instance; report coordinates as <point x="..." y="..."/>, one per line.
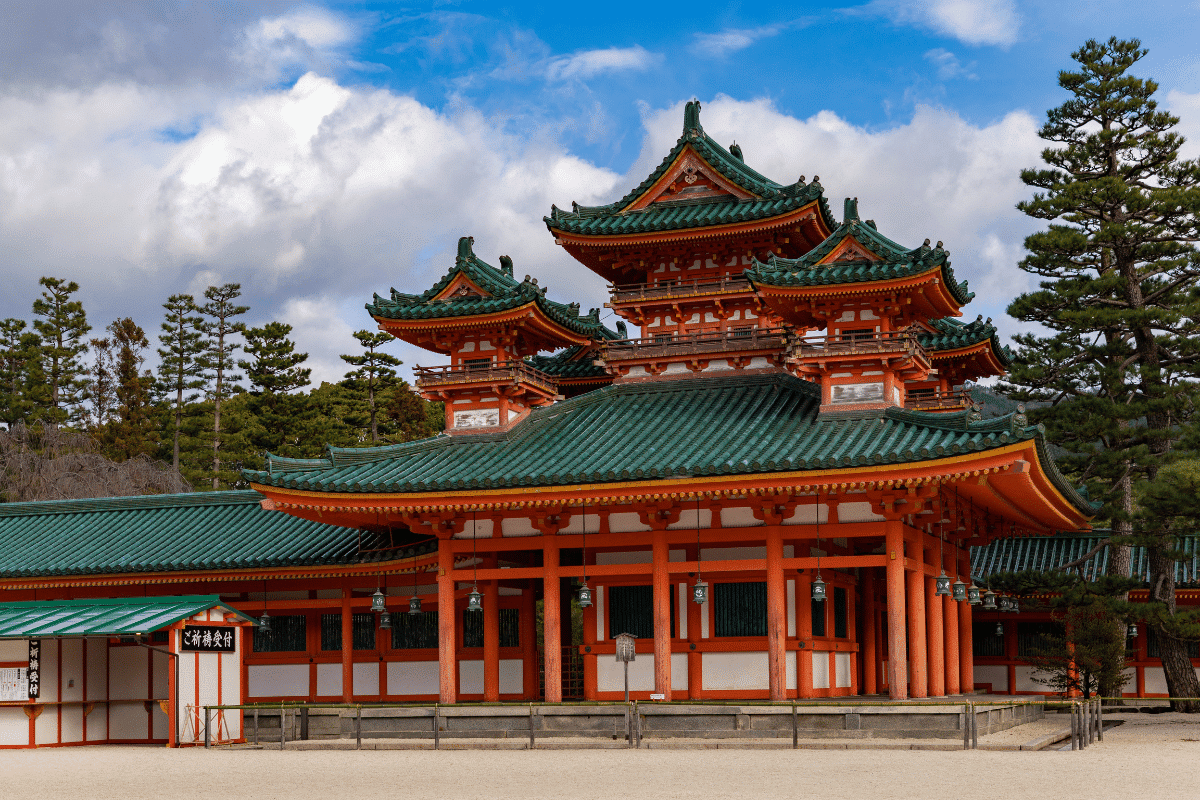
<point x="787" y="442"/>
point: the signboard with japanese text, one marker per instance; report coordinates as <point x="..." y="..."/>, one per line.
<point x="209" y="639"/>
<point x="14" y="684"/>
<point x="35" y="668"/>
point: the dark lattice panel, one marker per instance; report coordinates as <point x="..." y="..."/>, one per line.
<point x="841" y="627"/>
<point x="740" y="609"/>
<point x="415" y="631"/>
<point x="363" y="631"/>
<point x="510" y="628"/>
<point x="631" y="610"/>
<point x="288" y="634"/>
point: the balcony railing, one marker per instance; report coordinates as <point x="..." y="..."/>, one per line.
<point x="936" y="400"/>
<point x="666" y="345"/>
<point x="494" y="372"/>
<point x="858" y="344"/>
<point x="670" y="290"/>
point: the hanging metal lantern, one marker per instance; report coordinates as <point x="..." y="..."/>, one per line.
<point x="475" y="600"/>
<point x="999" y="628"/>
<point x="989" y="600"/>
<point x="700" y="592"/>
<point x="264" y="623"/>
<point x="385" y="621"/>
<point x="973" y="595"/>
<point x="959" y="591"/>
<point x="1014" y="607"/>
<point x="377" y="602"/>
<point x="1004" y="604"/>
<point x="942" y="582"/>
<point x="818" y="589"/>
<point x="414" y="605"/>
<point x="585" y="595"/>
<point x="1133" y="631"/>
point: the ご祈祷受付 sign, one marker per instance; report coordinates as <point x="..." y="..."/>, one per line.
<point x="208" y="639"/>
<point x="34" y="676"/>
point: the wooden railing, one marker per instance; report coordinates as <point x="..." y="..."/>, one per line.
<point x="676" y="289"/>
<point x="662" y="345"/>
<point x="936" y="400"/>
<point x="506" y="371"/>
<point x="859" y="343"/>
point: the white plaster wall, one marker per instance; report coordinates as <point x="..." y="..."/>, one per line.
<point x="477" y="529"/>
<point x="731" y="553"/>
<point x="161" y="725"/>
<point x="366" y="678"/>
<point x="679" y="672"/>
<point x="72" y="723"/>
<point x="97" y="670"/>
<point x="412" y="677"/>
<point x="808" y="514"/>
<point x="48" y="693"/>
<point x="127" y="673"/>
<point x="790" y="668"/>
<point x="127" y="721"/>
<point x="857" y="512"/>
<point x="1156" y="681"/>
<point x="97" y="723"/>
<point x="329" y="680"/>
<point x="1025" y="682"/>
<point x="72" y="668"/>
<point x="735" y="670"/>
<point x="610" y="674"/>
<point x="14" y="725"/>
<point x="276" y="680"/>
<point x="518" y="526"/>
<point x="576" y="523"/>
<point x="625" y="557"/>
<point x="470" y="677"/>
<point x="841" y="664"/>
<point x="995" y="674"/>
<point x="687" y="520"/>
<point x="739" y="517"/>
<point x="14" y="649"/>
<point x="626" y="522"/>
<point x="791" y="608"/>
<point x="231" y="691"/>
<point x="512" y="676"/>
<point x="820" y="670"/>
<point x="704" y="621"/>
<point x="600" y="606"/>
<point x="162" y="676"/>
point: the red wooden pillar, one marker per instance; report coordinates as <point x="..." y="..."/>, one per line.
<point x="950" y="615"/>
<point x="804" y="656"/>
<point x="776" y="615"/>
<point x="347" y="646"/>
<point x="447" y="663"/>
<point x="695" y="657"/>
<point x="529" y="658"/>
<point x="935" y="639"/>
<point x="590" y="680"/>
<point x="866" y="638"/>
<point x="897" y="641"/>
<point x="173" y="635"/>
<point x="918" y="678"/>
<point x="966" y="653"/>
<point x="491" y="639"/>
<point x="552" y="623"/>
<point x="662" y="615"/>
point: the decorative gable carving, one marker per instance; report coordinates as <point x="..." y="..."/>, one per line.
<point x="850" y="250"/>
<point x="690" y="178"/>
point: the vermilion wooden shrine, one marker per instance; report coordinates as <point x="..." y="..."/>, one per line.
<point x="792" y="410"/>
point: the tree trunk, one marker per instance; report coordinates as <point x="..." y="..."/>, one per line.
<point x="1177" y="666"/>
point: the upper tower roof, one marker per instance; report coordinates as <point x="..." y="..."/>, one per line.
<point x="474" y="288"/>
<point x="699" y="185"/>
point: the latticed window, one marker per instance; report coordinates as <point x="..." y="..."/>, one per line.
<point x="510" y="628"/>
<point x="841" y="627"/>
<point x="1034" y="638"/>
<point x="631" y="610"/>
<point x="477" y="363"/>
<point x="984" y="640"/>
<point x="363" y="631"/>
<point x="818" y="617"/>
<point x="663" y="338"/>
<point x="287" y="635"/>
<point x="415" y="631"/>
<point x="740" y="609"/>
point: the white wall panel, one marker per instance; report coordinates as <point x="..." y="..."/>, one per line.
<point x="626" y="522"/>
<point x="679" y="671"/>
<point x="72" y="723"/>
<point x="412" y="677"/>
<point x="625" y="557"/>
<point x="14" y="725"/>
<point x="329" y="680"/>
<point x="162" y="673"/>
<point x="160" y="725"/>
<point x="995" y="674"/>
<point x="791" y="607"/>
<point x="600" y="607"/>
<point x="820" y="670"/>
<point x="470" y="677"/>
<point x="1025" y="681"/>
<point x="1156" y="681"/>
<point x="72" y="669"/>
<point x="512" y="676"/>
<point x="14" y="649"/>
<point x="46" y="725"/>
<point x="735" y="671"/>
<point x="841" y="677"/>
<point x="97" y="723"/>
<point x="128" y="721"/>
<point x="49" y="689"/>
<point x="366" y="678"/>
<point x="127" y="678"/>
<point x="790" y="660"/>
<point x="739" y="517"/>
<point x="610" y="674"/>
<point x="97" y="671"/>
<point x="277" y="680"/>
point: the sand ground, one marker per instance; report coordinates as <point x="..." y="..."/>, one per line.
<point x="1150" y="756"/>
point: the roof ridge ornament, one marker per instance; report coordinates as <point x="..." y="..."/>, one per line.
<point x="506" y="265"/>
<point x="466" y="248"/>
<point x="691" y="119"/>
<point x="736" y="152"/>
<point x="850" y="211"/>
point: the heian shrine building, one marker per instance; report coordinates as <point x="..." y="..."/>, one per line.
<point x="788" y="442"/>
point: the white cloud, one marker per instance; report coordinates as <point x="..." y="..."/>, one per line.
<point x="1187" y="108"/>
<point x="730" y="40"/>
<point x="937" y="177"/>
<point x="590" y="63"/>
<point x="307" y="37"/>
<point x="948" y="65"/>
<point x="971" y="21"/>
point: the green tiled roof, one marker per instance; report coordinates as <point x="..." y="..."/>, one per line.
<point x="166" y="533"/>
<point x="701" y="426"/>
<point x="108" y="617"/>
<point x="897" y="261"/>
<point x="952" y="334"/>
<point x="567" y="364"/>
<point x="1044" y="553"/>
<point x="770" y="198"/>
<point x="506" y="293"/>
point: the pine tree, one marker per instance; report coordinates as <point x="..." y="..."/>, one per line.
<point x="62" y="328"/>
<point x="218" y="329"/>
<point x="180" y="370"/>
<point x="274" y="371"/>
<point x="1119" y="300"/>
<point x="22" y="387"/>
<point x="100" y="384"/>
<point x="129" y="434"/>
<point x="376" y="371"/>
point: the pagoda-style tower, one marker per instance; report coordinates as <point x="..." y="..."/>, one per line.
<point x="489" y="324"/>
<point x="675" y="249"/>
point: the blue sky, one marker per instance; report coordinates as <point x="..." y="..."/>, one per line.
<point x="317" y="153"/>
